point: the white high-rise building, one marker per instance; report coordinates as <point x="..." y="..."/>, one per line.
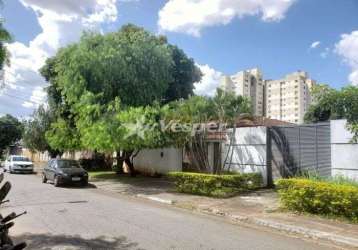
<point x="247" y="83"/>
<point x="289" y="98"/>
<point x="286" y="99"/>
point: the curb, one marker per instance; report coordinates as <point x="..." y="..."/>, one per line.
<point x="282" y="227"/>
<point x="153" y="198"/>
<point x="309" y="233"/>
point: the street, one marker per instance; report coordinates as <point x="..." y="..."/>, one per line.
<point x="89" y="218"/>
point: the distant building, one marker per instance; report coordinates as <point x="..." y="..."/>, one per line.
<point x="285" y="99"/>
<point x="248" y="83"/>
<point x="289" y="98"/>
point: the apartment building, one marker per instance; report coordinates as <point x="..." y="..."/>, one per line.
<point x="248" y="83"/>
<point x="288" y="99"/>
<point x="285" y="99"/>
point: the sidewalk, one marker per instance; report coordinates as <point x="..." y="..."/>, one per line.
<point x="258" y="208"/>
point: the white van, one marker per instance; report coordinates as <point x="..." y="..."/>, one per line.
<point x="18" y="164"/>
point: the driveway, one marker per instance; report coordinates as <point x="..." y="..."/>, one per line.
<point x="77" y="218"/>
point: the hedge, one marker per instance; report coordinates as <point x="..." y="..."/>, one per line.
<point x="215" y="185"/>
<point x="319" y="197"/>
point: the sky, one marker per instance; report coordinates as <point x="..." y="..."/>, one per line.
<point x="222" y="36"/>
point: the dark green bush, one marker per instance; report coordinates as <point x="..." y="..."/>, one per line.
<point x="319" y="197"/>
<point x="94" y="164"/>
<point x="215" y="185"/>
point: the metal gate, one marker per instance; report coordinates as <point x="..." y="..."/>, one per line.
<point x="292" y="150"/>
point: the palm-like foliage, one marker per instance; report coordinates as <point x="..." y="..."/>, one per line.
<point x="4" y="37"/>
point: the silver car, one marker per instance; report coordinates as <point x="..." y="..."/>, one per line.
<point x="18" y="164"/>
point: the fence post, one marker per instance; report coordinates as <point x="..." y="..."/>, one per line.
<point x="269" y="158"/>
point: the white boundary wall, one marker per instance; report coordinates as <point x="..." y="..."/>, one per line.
<point x="344" y="154"/>
<point x="160" y="161"/>
<point x="249" y="151"/>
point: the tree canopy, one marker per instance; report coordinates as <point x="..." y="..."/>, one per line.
<point x="335" y="104"/>
<point x="132" y="64"/>
<point x="10" y="131"/>
<point x="102" y="85"/>
<point x="35" y="131"/>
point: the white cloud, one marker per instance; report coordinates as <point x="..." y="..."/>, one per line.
<point x="209" y="82"/>
<point x="37" y="98"/>
<point x="190" y="16"/>
<point x="28" y="104"/>
<point x="325" y="53"/>
<point x="315" y="44"/>
<point x="347" y="48"/>
<point x="61" y="22"/>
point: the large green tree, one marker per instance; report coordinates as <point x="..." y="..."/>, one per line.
<point x="184" y="74"/>
<point x="35" y="131"/>
<point x="326" y="105"/>
<point x="335" y="104"/>
<point x="124" y="130"/>
<point x="104" y="77"/>
<point x="10" y="131"/>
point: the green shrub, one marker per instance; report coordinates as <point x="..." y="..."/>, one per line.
<point x="215" y="185"/>
<point x="319" y="197"/>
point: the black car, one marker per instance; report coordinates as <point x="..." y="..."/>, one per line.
<point x="62" y="171"/>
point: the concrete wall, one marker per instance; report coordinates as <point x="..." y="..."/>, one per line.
<point x="249" y="152"/>
<point x="159" y="160"/>
<point x="39" y="157"/>
<point x="344" y="154"/>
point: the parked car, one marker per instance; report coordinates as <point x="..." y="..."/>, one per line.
<point x="62" y="171"/>
<point x="18" y="164"/>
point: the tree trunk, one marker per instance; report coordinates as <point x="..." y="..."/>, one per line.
<point x="198" y="154"/>
<point x="127" y="158"/>
<point x="120" y="160"/>
<point x="130" y="165"/>
<point x="55" y="153"/>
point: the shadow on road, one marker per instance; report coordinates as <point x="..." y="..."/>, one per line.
<point x="128" y="185"/>
<point x="48" y="241"/>
<point x="74" y="186"/>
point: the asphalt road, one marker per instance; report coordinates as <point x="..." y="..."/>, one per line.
<point x="78" y="218"/>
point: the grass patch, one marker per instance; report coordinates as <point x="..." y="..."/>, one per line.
<point x="103" y="175"/>
<point x="113" y="176"/>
